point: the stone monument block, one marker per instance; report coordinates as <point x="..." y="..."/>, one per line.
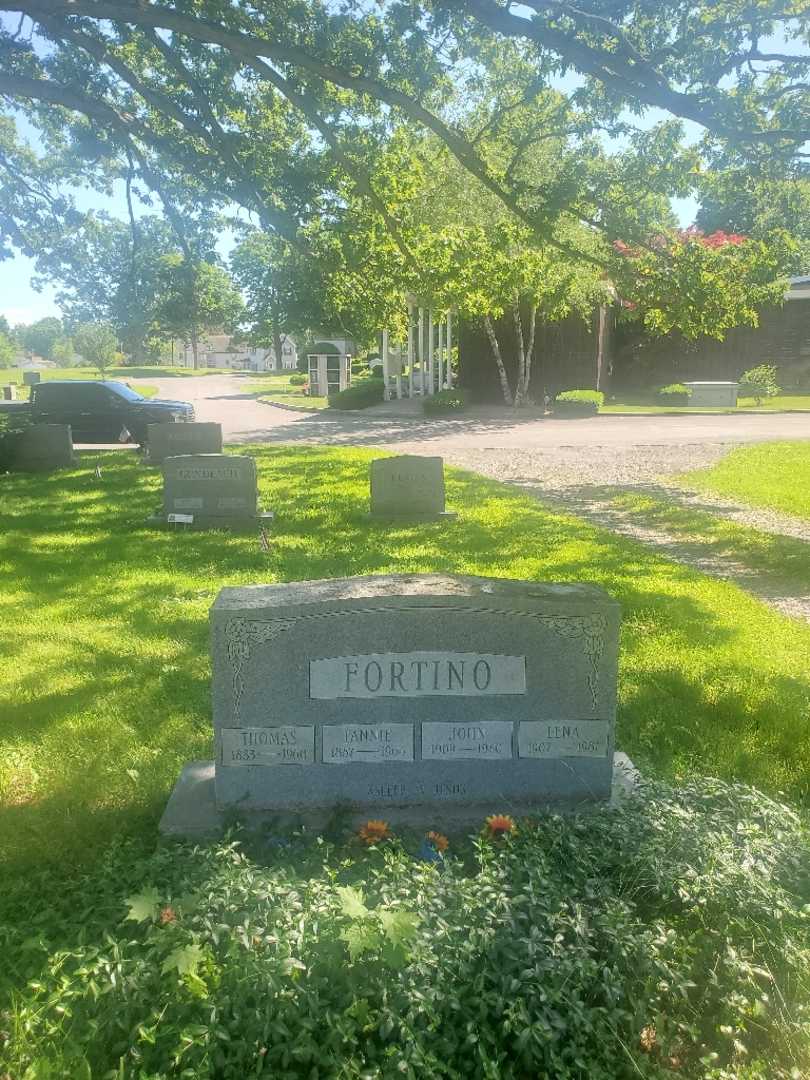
<point x="408" y="486"/>
<point x="412" y="697"/>
<point x="31" y="378"/>
<point x="43" y="446"/>
<point x="171" y="440"/>
<point x="210" y="491"/>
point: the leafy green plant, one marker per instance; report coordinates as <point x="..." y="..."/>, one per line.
<point x="674" y="394"/>
<point x="759" y="382"/>
<point x="578" y="403"/>
<point x="446" y="401"/>
<point x="359" y="395"/>
<point x="297" y="379"/>
<point x="665" y="935"/>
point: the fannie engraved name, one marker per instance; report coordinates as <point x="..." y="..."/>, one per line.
<point x="417" y="674"/>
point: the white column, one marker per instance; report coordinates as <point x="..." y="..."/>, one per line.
<point x="410" y="350"/>
<point x="386" y="392"/>
<point x="420" y="340"/>
<point x="431" y="381"/>
<point x="449" y="349"/>
<point x="440" y="355"/>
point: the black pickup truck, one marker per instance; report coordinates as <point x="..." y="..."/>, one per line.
<point x="98" y="411"/>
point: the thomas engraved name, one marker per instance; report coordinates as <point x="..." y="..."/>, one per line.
<point x="290" y="745"/>
<point x="417" y="674"/>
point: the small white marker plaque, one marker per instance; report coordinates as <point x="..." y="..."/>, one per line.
<point x="288" y="745"/>
<point x="485" y="740"/>
<point x="367" y="743"/>
<point x="180" y="519"/>
<point x="562" y="738"/>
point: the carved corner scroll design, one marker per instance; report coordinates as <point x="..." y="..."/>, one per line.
<point x="241" y="637"/>
<point x="591" y="629"/>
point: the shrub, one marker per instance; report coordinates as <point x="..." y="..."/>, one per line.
<point x="759" y="382"/>
<point x="359" y="395"/>
<point x="665" y="936"/>
<point x="298" y="379"/>
<point x="377" y="371"/>
<point x="577" y="403"/>
<point x="446" y="401"/>
<point x="674" y="394"/>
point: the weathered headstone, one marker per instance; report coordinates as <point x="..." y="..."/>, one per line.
<point x="10" y="392"/>
<point x="408" y="487"/>
<point x="170" y="440"/>
<point x="424" y="698"/>
<point x="41" y="447"/>
<point x="31" y="378"/>
<point x="211" y="491"/>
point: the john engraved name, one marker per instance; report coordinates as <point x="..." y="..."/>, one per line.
<point x="417" y="674"/>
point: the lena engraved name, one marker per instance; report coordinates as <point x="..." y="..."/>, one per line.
<point x="417" y="674"/>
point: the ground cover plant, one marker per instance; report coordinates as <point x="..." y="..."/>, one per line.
<point x="663" y="938"/>
<point x="284" y="388"/>
<point x="771" y="475"/>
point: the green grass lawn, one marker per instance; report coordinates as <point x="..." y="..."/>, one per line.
<point x="775" y="476"/>
<point x="104" y="681"/>
<point x="780" y="403"/>
<point x="274" y="388"/>
<point x="122" y="374"/>
<point x="781" y="558"/>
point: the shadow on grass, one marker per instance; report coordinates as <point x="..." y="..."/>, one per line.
<point x="104" y="685"/>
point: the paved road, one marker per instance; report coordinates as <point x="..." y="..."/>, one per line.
<point x="223" y="398"/>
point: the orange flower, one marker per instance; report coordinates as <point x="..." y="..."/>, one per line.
<point x="440" y="842"/>
<point x="167" y="915"/>
<point x="374" y="831"/>
<point x="500" y="825"/>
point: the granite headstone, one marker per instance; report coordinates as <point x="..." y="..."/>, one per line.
<point x="407" y="697"/>
<point x="408" y="486"/>
<point x="210" y="491"/>
<point x="41" y="447"/>
<point x="170" y="440"/>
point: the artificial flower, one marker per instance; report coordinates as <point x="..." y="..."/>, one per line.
<point x="374" y="831"/>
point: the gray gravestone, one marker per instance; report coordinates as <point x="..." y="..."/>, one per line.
<point x="10" y="392"/>
<point x="169" y="440"/>
<point x="415" y="697"/>
<point x="31" y="378"/>
<point x="210" y="491"/>
<point x="42" y="447"/>
<point x="408" y="486"/>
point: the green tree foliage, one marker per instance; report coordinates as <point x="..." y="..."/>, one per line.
<point x="197" y="297"/>
<point x="40" y="337"/>
<point x="97" y="345"/>
<point x="8" y="351"/>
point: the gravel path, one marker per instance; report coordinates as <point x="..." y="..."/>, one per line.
<point x="587" y="483"/>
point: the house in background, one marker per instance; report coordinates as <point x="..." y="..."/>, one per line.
<point x="226" y="351"/>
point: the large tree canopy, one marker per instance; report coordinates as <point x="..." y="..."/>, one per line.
<point x="264" y="103"/>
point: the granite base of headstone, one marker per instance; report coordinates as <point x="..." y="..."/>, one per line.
<point x="10" y="392"/>
<point x="210" y="491"/>
<point x="419" y="699"/>
<point x="42" y="447"/>
<point x="172" y="440"/>
<point x="408" y="488"/>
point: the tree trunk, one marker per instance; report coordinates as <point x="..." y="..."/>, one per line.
<point x="496" y="352"/>
<point x="530" y="347"/>
<point x="520" y="386"/>
<point x="194" y="343"/>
